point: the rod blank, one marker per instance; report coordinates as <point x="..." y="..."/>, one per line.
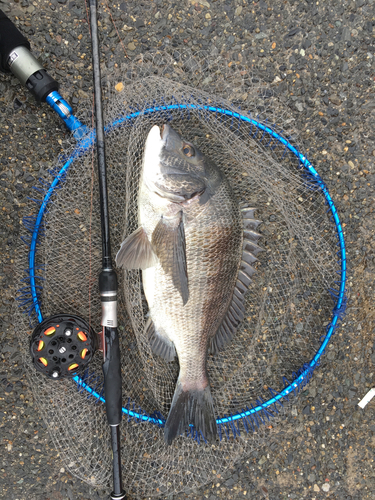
<point x="107" y="279"/>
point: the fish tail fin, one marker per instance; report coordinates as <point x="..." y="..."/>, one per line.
<point x="194" y="406"/>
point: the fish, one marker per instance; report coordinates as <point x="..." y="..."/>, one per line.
<point x="196" y="248"/>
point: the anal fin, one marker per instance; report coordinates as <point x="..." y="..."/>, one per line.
<point x="160" y="345"/>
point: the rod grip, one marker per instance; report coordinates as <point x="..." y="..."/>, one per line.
<point x="112" y="376"/>
<point x="10" y="38"/>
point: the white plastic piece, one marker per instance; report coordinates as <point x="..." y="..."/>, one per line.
<point x="367" y="398"/>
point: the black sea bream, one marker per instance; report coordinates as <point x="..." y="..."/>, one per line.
<point x="195" y="247"/>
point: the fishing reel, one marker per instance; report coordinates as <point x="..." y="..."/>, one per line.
<point x="62" y="346"/>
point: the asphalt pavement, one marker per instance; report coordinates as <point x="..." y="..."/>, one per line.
<point x="321" y="57"/>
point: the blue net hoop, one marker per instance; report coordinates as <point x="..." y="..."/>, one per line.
<point x="262" y="410"/>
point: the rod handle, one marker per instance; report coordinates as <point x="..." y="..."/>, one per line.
<point x="10" y="38"/>
<point x="15" y="57"/>
<point x="112" y="376"/>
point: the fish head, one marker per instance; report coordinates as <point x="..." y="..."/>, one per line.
<point x="175" y="169"/>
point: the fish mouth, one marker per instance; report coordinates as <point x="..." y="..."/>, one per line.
<point x="173" y="196"/>
<point x="157" y="138"/>
<point x="160" y="189"/>
<point x="166" y="180"/>
<point x="167" y="195"/>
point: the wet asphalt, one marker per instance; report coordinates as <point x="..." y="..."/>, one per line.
<point x="321" y="56"/>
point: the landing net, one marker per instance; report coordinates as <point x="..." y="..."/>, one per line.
<point x="292" y="309"/>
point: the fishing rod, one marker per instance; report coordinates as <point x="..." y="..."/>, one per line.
<point x="62" y="345"/>
<point x="107" y="278"/>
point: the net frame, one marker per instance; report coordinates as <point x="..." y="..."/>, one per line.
<point x="260" y="412"/>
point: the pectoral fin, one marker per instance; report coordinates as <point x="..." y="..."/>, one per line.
<point x="136" y="252"/>
<point x="168" y="242"/>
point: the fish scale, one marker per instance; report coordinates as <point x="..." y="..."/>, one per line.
<point x="212" y="273"/>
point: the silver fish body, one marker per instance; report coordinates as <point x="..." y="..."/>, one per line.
<point x="190" y="246"/>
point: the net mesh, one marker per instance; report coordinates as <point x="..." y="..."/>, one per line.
<point x="288" y="305"/>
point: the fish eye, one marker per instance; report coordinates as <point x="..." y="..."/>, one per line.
<point x="188" y="150"/>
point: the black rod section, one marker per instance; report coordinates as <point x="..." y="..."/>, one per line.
<point x="117" y="482"/>
<point x="107" y="280"/>
<point x="100" y="145"/>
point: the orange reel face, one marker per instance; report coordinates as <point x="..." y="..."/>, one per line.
<point x="62" y="346"/>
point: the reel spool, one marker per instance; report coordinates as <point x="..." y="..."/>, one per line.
<point x="62" y="346"/>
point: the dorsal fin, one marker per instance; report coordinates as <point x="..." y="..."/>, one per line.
<point x="236" y="309"/>
<point x="251" y="223"/>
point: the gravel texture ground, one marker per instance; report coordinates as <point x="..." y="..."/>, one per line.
<point x="321" y="56"/>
